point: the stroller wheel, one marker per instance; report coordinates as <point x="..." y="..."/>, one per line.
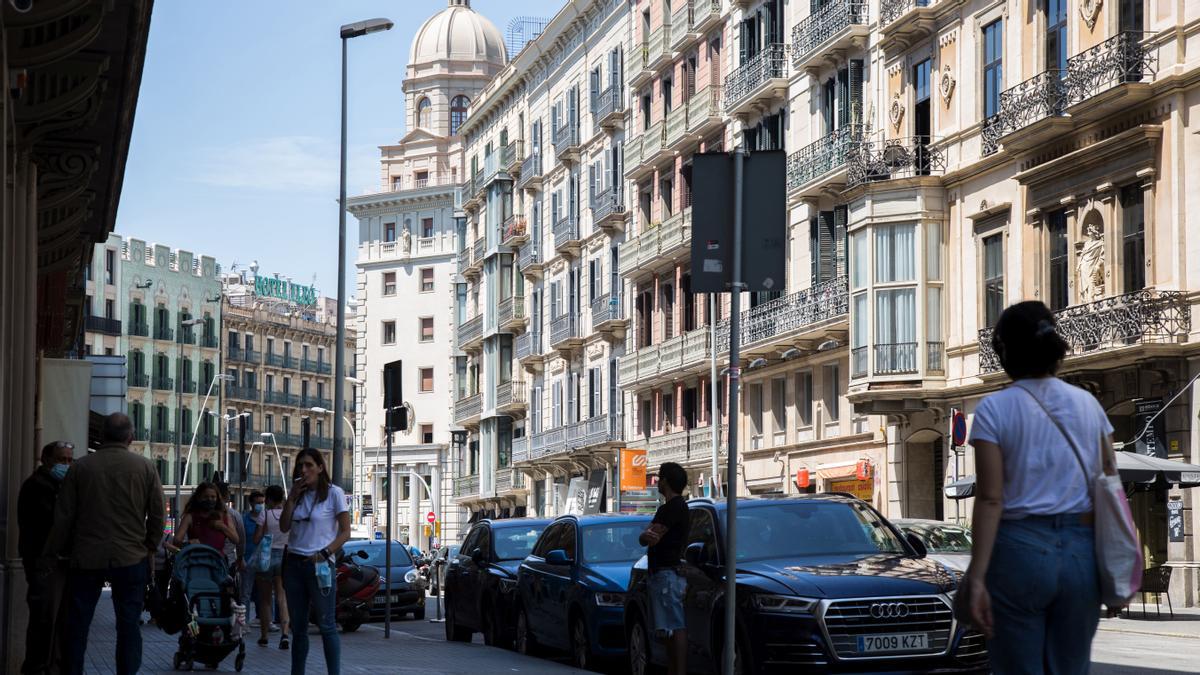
<point x="177" y="662"/>
<point x="239" y="662"/>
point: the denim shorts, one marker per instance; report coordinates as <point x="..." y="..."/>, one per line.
<point x="276" y="565"/>
<point x="666" y="589"/>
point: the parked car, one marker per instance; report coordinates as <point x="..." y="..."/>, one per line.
<point x="483" y="575"/>
<point x="824" y="583"/>
<point x="947" y="543"/>
<point x="571" y="588"/>
<point x="408" y="592"/>
<point x="441" y="561"/>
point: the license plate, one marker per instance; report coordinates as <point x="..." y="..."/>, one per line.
<point x="896" y="642"/>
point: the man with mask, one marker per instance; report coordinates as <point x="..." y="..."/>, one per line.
<point x="35" y="518"/>
<point x="256" y="504"/>
<point x="665" y="539"/>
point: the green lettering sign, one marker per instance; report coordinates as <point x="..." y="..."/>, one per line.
<point x="283" y="289"/>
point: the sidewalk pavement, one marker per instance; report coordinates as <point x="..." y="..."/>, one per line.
<point x="1185" y="624"/>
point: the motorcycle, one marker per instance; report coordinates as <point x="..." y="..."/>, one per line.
<point x="357" y="587"/>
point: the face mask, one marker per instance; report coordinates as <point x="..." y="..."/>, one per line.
<point x="258" y="508"/>
<point x="59" y="471"/>
<point x="208" y="505"/>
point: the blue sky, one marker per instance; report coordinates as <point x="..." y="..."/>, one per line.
<point x="235" y="140"/>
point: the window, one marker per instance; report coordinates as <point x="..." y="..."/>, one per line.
<point x="1133" y="236"/>
<point x="389" y="232"/>
<point x="1056" y="35"/>
<point x="1056" y="229"/>
<point x="993" y="278"/>
<point x="779" y="409"/>
<point x="804" y="398"/>
<point x="993" y="66"/>
<point x="895" y="253"/>
<point x="895" y="331"/>
<point x="426" y="375"/>
<point x="427" y="433"/>
<point x="420" y="179"/>
<point x="754" y="406"/>
<point x="832" y="386"/>
<point x="426" y="279"/>
<point x="458" y="112"/>
<point x="389" y="283"/>
<point x="389" y="332"/>
<point x="427" y="329"/>
<point x="423" y="109"/>
<point x="426" y="228"/>
<point x="110" y="266"/>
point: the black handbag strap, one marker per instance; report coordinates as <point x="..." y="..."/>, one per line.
<point x="1074" y="448"/>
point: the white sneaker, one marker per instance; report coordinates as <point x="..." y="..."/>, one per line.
<point x="274" y="628"/>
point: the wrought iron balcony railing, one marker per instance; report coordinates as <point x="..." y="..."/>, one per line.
<point x="141" y="434"/>
<point x="654" y="143"/>
<point x="241" y="393"/>
<point x="510" y="310"/>
<point x="272" y="359"/>
<point x="510" y="155"/>
<point x="606" y="308"/>
<point x="470" y="331"/>
<point x="769" y="64"/>
<point x="823" y="156"/>
<point x="163" y="383"/>
<point x="562" y="329"/>
<point x="162" y="436"/>
<point x="529" y="256"/>
<point x="566" y="138"/>
<point x="139" y="328"/>
<point x="935" y="357"/>
<point x="186" y="335"/>
<point x="208" y="341"/>
<point x="477" y="251"/>
<point x="531" y="169"/>
<point x="316" y="402"/>
<point x="896" y="359"/>
<point x="464" y="261"/>
<point x="1118" y="60"/>
<point x="164" y="333"/>
<point x="1148" y="316"/>
<point x="1041" y="96"/>
<point x="188" y="386"/>
<point x="566" y="231"/>
<point x="858" y="362"/>
<point x="607" y="205"/>
<point x="207" y="440"/>
<point x="139" y="380"/>
<point x="466" y="486"/>
<point x="467" y="409"/>
<point x="675" y="235"/>
<point x="516" y="230"/>
<point x="797" y="311"/>
<point x="890" y="10"/>
<point x="827" y="21"/>
<point x="529" y="344"/>
<point x="280" y="398"/>
<point x="608" y="102"/>
<point x="508" y="479"/>
<point x="101" y="324"/>
<point x="893" y="158"/>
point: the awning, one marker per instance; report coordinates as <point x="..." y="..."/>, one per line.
<point x="1133" y="468"/>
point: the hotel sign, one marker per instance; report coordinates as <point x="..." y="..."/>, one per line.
<point x="283" y="289"/>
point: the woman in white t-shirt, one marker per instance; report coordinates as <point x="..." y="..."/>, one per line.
<point x="272" y="579"/>
<point x="1033" y="586"/>
<point x="317" y="522"/>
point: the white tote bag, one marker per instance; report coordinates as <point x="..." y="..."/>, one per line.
<point x="1118" y="553"/>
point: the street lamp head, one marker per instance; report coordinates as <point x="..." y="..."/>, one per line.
<point x="256" y="443"/>
<point x="192" y="322"/>
<point x="319" y="410"/>
<point x="355" y="381"/>
<point x="353" y="30"/>
<point x="267" y="434"/>
<point x="225" y="377"/>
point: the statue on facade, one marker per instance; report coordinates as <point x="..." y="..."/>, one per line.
<point x="406" y="240"/>
<point x="1091" y="266"/>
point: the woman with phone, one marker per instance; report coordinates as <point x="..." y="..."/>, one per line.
<point x="205" y="520"/>
<point x="317" y="522"/>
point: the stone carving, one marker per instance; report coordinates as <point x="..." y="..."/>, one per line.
<point x="406" y="240"/>
<point x="1090" y="11"/>
<point x="1091" y="266"/>
<point x="896" y="112"/>
<point x="946" y="84"/>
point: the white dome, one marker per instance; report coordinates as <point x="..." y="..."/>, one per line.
<point x="459" y="33"/>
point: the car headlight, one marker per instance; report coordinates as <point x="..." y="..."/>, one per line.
<point x="784" y="604"/>
<point x="610" y="599"/>
<point x="508" y="585"/>
<point x="411" y="576"/>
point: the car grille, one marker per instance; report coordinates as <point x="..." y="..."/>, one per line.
<point x="972" y="647"/>
<point x="796" y="654"/>
<point x="847" y="619"/>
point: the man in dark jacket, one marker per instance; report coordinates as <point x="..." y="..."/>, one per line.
<point x="35" y="517"/>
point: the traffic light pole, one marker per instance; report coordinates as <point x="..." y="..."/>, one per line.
<point x="735" y="374"/>
<point x="387" y="540"/>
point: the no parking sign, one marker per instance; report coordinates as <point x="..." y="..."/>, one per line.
<point x="958" y="427"/>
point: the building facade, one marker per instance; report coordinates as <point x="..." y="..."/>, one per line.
<point x="408" y="240"/>
<point x="140" y="302"/>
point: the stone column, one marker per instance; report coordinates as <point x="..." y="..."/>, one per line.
<point x="415" y="519"/>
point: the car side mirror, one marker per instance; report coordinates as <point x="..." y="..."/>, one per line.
<point x="694" y="554"/>
<point x="362" y="554"/>
<point x="557" y="557"/>
<point x="918" y="545"/>
<point x="477" y="556"/>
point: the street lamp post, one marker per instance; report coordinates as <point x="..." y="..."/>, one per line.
<point x="278" y="459"/>
<point x="179" y="474"/>
<point x="348" y="31"/>
<point x="220" y="377"/>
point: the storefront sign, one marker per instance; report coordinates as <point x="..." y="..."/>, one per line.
<point x="641" y="501"/>
<point x="282" y="289"/>
<point x="1153" y="441"/>
<point x="1175" y="520"/>
<point x="863" y="489"/>
<point x="595" y="491"/>
<point x="633" y="469"/>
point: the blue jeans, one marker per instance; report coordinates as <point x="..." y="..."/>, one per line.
<point x="300" y="586"/>
<point x="1045" y="594"/>
<point x="666" y="588"/>
<point x="128" y="594"/>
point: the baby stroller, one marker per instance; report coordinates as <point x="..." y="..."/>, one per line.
<point x="210" y="628"/>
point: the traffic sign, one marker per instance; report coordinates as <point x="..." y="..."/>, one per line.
<point x="431" y="516"/>
<point x="958" y="427"/>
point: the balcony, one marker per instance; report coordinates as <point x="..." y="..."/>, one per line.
<point x="467" y="410"/>
<point x="608" y="210"/>
<point x="547" y="443"/>
<point x="529" y="259"/>
<point x="236" y="353"/>
<point x="509" y="479"/>
<point x="566" y="141"/>
<point x="464" y="261"/>
<point x="311" y="366"/>
<point x="242" y="393"/>
<point x="520" y="450"/>
<point x="477" y="251"/>
<point x="627" y="370"/>
<point x="633" y="157"/>
<point x="511" y="155"/>
<point x="658" y="246"/>
<point x="1112" y="75"/>
<point x="706" y="14"/>
<point x="274" y="360"/>
<point x="834" y="28"/>
<point x="658" y="47"/>
<point x="687" y="447"/>
<point x="515" y="232"/>
<point x="495" y="168"/>
<point x="531" y="171"/>
<point x="510" y="313"/>
<point x="320" y="442"/>
<point x="566" y="235"/>
<point x="903" y="23"/>
<point x="803" y="314"/>
<point x="668" y="360"/>
<point x="758" y="81"/>
<point x="681" y="26"/>
<point x="470" y="333"/>
<point x="141" y="434"/>
<point x="316" y="402"/>
<point x="529" y="349"/>
<point x="898" y="358"/>
<point x="564" y="333"/>
<point x="188" y="387"/>
<point x="100" y="324"/>
<point x="510" y="397"/>
<point x="1145" y="317"/>
<point x="281" y="398"/>
<point x="704" y="110"/>
<point x="639" y="63"/>
<point x="139" y="328"/>
<point x="595" y="431"/>
<point x="164" y="333"/>
<point x="675" y="240"/>
<point x="654" y="145"/>
<point x="139" y="380"/>
<point x="187" y="336"/>
<point x="209" y="341"/>
<point x="824" y="159"/>
<point x="1036" y="107"/>
<point x="608" y="108"/>
<point x="893" y="158"/>
<point x="466" y="487"/>
<point x="162" y="436"/>
<point x="608" y="314"/>
<point x="676" y="127"/>
<point x="208" y="440"/>
<point x="162" y="383"/>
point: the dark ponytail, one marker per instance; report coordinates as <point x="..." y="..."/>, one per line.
<point x="1027" y="341"/>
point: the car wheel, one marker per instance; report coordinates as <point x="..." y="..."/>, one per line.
<point x="488" y="627"/>
<point x="350" y="626"/>
<point x="419" y="614"/>
<point x="639" y="649"/>
<point x="455" y="632"/>
<point x="581" y="649"/>
<point x="525" y="642"/>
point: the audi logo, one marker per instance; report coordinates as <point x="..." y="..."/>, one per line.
<point x="889" y="610"/>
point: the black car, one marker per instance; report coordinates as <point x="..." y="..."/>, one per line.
<point x="408" y="592"/>
<point x="824" y="583"/>
<point x="481" y="578"/>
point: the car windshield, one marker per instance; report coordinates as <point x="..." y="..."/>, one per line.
<point x="377" y="554"/>
<point x="514" y="543"/>
<point x="813" y="528"/>
<point x="943" y="538"/>
<point x="616" y="542"/>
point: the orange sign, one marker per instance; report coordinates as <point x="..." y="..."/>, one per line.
<point x="633" y="469"/>
<point x="802" y="479"/>
<point x="863" y="489"/>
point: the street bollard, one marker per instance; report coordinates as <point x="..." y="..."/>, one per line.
<point x="439" y="567"/>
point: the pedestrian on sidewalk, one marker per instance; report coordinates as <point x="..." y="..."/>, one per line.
<point x="1033" y="587"/>
<point x="206" y="520"/>
<point x="235" y="551"/>
<point x="317" y="522"/>
<point x="107" y="524"/>
<point x="664" y="540"/>
<point x="271" y="581"/>
<point x="255" y="504"/>
<point x="45" y="582"/>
